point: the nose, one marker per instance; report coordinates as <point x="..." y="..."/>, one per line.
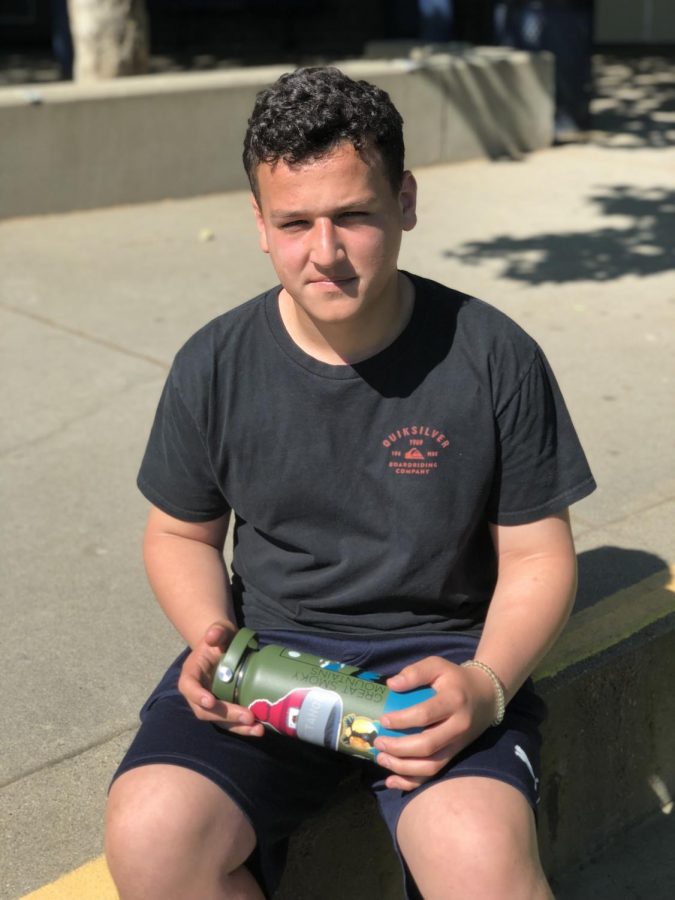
<point x="326" y="248"/>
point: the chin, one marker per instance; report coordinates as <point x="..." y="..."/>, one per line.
<point x="335" y="306"/>
<point x="331" y="317"/>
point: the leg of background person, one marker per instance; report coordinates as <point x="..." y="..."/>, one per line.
<point x="472" y="838"/>
<point x="475" y="18"/>
<point x="173" y="834"/>
<point x="568" y="34"/>
<point x="435" y="20"/>
<point x="402" y="19"/>
<point x="62" y="43"/>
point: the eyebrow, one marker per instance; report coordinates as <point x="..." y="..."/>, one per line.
<point x="359" y="203"/>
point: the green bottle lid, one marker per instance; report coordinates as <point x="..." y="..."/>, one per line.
<point x="226" y="676"/>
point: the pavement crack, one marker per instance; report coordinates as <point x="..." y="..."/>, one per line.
<point x="83" y="335"/>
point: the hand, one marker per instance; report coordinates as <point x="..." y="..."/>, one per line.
<point x="195" y="685"/>
<point x="462" y="709"/>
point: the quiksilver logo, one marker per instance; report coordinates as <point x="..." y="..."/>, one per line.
<point x="415" y="449"/>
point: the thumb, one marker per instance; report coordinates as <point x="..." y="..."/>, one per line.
<point x="219" y="634"/>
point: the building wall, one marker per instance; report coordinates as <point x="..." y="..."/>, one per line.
<point x="635" y="21"/>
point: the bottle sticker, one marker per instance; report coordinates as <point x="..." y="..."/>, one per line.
<point x="316" y="715"/>
<point x="358" y="734"/>
<point x="310" y="714"/>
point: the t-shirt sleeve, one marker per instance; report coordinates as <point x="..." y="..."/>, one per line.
<point x="541" y="466"/>
<point x="176" y="473"/>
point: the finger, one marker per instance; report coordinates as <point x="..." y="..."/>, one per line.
<point x="420" y="673"/>
<point x="398" y="782"/>
<point x="198" y="669"/>
<point x="228" y="713"/>
<point x="419" y="715"/>
<point x="192" y="685"/>
<point x="255" y="730"/>
<point x="229" y="716"/>
<point x="425" y="767"/>
<point x="424" y="743"/>
<point x="203" y="701"/>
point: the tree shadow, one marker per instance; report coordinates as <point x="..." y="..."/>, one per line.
<point x="643" y="247"/>
<point x="634" y="101"/>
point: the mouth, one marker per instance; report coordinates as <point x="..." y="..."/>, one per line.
<point x="339" y="282"/>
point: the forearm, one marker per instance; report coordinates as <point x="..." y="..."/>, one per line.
<point x="190" y="581"/>
<point x="532" y="601"/>
<point x="530" y="604"/>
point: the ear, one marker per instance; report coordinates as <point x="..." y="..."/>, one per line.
<point x="407" y="199"/>
<point x="260" y="225"/>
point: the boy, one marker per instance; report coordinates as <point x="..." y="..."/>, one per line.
<point x="399" y="462"/>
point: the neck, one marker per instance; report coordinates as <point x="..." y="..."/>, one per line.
<point x="352" y="341"/>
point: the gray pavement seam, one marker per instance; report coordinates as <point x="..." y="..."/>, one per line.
<point x="589" y="529"/>
<point x="80" y="751"/>
<point x="64" y="426"/>
<point x="94" y="339"/>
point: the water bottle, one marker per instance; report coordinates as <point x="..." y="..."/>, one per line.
<point x="327" y="703"/>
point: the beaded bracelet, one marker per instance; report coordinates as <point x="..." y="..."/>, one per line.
<point x="500" y="700"/>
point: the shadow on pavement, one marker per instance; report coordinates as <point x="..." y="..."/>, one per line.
<point x="633" y="107"/>
<point x="634" y="101"/>
<point x="643" y="247"/>
<point x="606" y="570"/>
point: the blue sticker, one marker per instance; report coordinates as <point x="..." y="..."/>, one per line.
<point x="369" y="676"/>
<point x="402" y="700"/>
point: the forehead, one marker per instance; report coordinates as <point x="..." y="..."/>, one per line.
<point x="341" y="173"/>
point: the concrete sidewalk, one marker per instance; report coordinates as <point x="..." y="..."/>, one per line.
<point x="574" y="243"/>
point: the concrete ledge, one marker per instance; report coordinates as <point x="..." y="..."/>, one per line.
<point x="138" y="140"/>
<point x="607" y="765"/>
<point x="608" y="762"/>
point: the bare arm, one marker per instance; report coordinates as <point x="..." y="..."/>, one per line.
<point x="532" y="600"/>
<point x="186" y="570"/>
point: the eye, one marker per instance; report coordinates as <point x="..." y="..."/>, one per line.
<point x="354" y="214"/>
<point x="294" y="225"/>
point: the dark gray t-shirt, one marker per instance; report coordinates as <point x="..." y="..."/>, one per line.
<point x="362" y="494"/>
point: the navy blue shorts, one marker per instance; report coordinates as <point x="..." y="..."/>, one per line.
<point x="278" y="782"/>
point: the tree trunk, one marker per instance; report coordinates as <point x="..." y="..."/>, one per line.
<point x="110" y="38"/>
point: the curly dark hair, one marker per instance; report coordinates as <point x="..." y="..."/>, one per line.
<point x="306" y="113"/>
